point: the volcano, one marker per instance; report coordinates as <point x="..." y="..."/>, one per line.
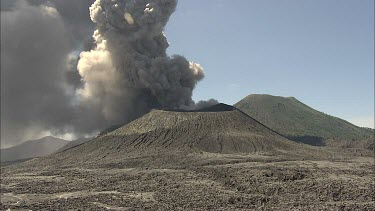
<point x="219" y="129"/>
<point x="208" y="159"/>
<point x="301" y="123"/>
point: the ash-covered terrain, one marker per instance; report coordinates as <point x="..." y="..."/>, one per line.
<point x="217" y="158"/>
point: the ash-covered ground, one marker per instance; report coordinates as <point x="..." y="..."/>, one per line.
<point x="203" y="181"/>
<point x="213" y="160"/>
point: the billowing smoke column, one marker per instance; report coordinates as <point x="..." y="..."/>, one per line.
<point x="121" y="76"/>
<point x="128" y="72"/>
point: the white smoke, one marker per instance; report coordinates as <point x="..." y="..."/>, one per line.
<point x="128" y="70"/>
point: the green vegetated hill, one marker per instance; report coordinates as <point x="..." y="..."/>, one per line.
<point x="302" y="123"/>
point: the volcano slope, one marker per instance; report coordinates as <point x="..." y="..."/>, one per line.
<point x="302" y="123"/>
<point x="216" y="158"/>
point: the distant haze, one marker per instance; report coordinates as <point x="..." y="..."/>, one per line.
<point x="32" y="149"/>
<point x="363" y="121"/>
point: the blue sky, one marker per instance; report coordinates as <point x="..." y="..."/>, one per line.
<point x="319" y="51"/>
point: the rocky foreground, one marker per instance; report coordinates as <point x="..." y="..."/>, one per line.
<point x="203" y="181"/>
<point x="217" y="159"/>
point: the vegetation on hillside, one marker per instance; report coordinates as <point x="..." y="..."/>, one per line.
<point x="300" y="122"/>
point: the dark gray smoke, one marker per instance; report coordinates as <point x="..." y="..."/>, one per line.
<point x="122" y="73"/>
<point x="74" y="13"/>
<point x="78" y="26"/>
<point x="34" y="50"/>
<point x="130" y="62"/>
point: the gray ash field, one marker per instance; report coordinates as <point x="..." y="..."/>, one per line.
<point x="213" y="159"/>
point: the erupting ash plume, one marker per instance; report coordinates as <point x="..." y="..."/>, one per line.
<point x="128" y="72"/>
<point x="122" y="73"/>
